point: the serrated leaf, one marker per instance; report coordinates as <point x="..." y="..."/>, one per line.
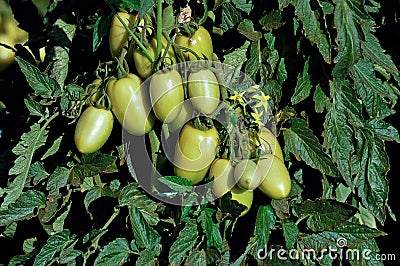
<point x="154" y="145"/>
<point x="130" y="4"/>
<point x="230" y="16"/>
<point x="145" y="6"/>
<point x="58" y="178"/>
<point x="246" y="27"/>
<point x="42" y="84"/>
<point x="196" y="257"/>
<point x="29" y="245"/>
<point x="242" y="258"/>
<point x="62" y="34"/>
<point x="303" y="86"/>
<point x="254" y="63"/>
<point x="114" y="253"/>
<point x="300" y="140"/>
<point x="53" y="149"/>
<point x="290" y="233"/>
<point x="237" y="57"/>
<point x="68" y="256"/>
<point x="37" y="172"/>
<point x="363" y="72"/>
<point x="147" y="258"/>
<point x="312" y="27"/>
<point x="383" y="130"/>
<point x="324" y="215"/>
<point x="374" y="164"/>
<point x="244" y="5"/>
<point x="210" y="228"/>
<point x="101" y="28"/>
<point x="265" y="221"/>
<point x="145" y="236"/>
<point x="58" y="224"/>
<point x="320" y="99"/>
<point x="33" y="106"/>
<point x="176" y="183"/>
<point x="281" y="72"/>
<point x="368" y="254"/>
<point x="349" y="234"/>
<point x="10" y="230"/>
<point x="54" y="244"/>
<point x="131" y="195"/>
<point x="95" y="193"/>
<point x="272" y="20"/>
<point x="168" y="19"/>
<point x="184" y="243"/>
<point x="25" y="149"/>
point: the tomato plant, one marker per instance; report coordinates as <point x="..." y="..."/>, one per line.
<point x="280" y="143"/>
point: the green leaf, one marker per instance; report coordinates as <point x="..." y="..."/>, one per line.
<point x="69" y="255"/>
<point x="53" y="149"/>
<point x="24" y="208"/>
<point x="300" y="140"/>
<point x="147" y="258"/>
<point x="33" y="106"/>
<point x="230" y="16"/>
<point x="281" y="72"/>
<point x="54" y="244"/>
<point x="254" y="63"/>
<point x="177" y="183"/>
<point x="58" y="224"/>
<point x="131" y="195"/>
<point x="168" y="19"/>
<point x="145" y="6"/>
<point x="290" y="232"/>
<point x="303" y="86"/>
<point x="95" y="193"/>
<point x="210" y="228"/>
<point x="10" y="230"/>
<point x="312" y="27"/>
<point x="324" y="214"/>
<point x="265" y="221"/>
<point x="29" y="245"/>
<point x="383" y="130"/>
<point x="244" y="5"/>
<point x="238" y="57"/>
<point x="348" y="234"/>
<point x="363" y="73"/>
<point x="185" y="242"/>
<point x="42" y="84"/>
<point x="101" y="28"/>
<point x="58" y="178"/>
<point x="249" y="248"/>
<point x="37" y="171"/>
<point x="145" y="236"/>
<point x="373" y="161"/>
<point x="272" y="20"/>
<point x="320" y="99"/>
<point x="25" y="149"/>
<point x="368" y="254"/>
<point x="246" y="27"/>
<point x="62" y="34"/>
<point x="130" y="4"/>
<point x="196" y="257"/>
<point x="366" y="217"/>
<point x="114" y="253"/>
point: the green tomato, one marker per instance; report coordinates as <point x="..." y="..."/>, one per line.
<point x="269" y="144"/>
<point x="131" y="105"/>
<point x="194" y="153"/>
<point x="6" y="55"/>
<point x="247" y="175"/>
<point x="204" y="91"/>
<point x="93" y="129"/>
<point x="276" y="182"/>
<point x="185" y="115"/>
<point x="118" y="36"/>
<point x="200" y="42"/>
<point x="167" y="95"/>
<point x="221" y="170"/>
<point x="143" y="64"/>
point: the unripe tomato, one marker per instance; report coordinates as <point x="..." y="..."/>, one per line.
<point x="247" y="175"/>
<point x="130" y="104"/>
<point x="269" y="144"/>
<point x="194" y="153"/>
<point x="204" y="91"/>
<point x="143" y="64"/>
<point x="10" y="26"/>
<point x="222" y="172"/>
<point x="118" y="34"/>
<point x="93" y="129"/>
<point x="167" y="95"/>
<point x="200" y="42"/>
<point x="244" y="197"/>
<point x="6" y="55"/>
<point x="276" y="182"/>
<point x="184" y="116"/>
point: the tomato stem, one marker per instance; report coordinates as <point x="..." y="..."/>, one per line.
<point x="159" y="28"/>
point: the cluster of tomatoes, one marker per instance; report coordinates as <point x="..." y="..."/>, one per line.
<point x="173" y="98"/>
